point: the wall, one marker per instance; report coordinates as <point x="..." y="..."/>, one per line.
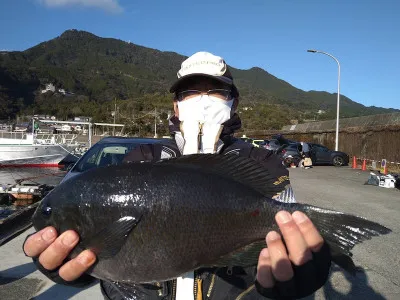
<point x="371" y="137"/>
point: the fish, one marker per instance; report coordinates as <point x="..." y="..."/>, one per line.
<point x="152" y="222"/>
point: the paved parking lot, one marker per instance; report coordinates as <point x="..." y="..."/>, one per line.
<point x="341" y="189"/>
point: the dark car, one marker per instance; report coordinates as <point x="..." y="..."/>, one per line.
<point x="278" y="142"/>
<point x="254" y="142"/>
<point x="108" y="151"/>
<point x="282" y="140"/>
<point x="246" y="139"/>
<point x="272" y="145"/>
<point x="292" y="151"/>
<point x="322" y="155"/>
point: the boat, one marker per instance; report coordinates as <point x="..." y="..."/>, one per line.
<point x="18" y="202"/>
<point x="32" y="149"/>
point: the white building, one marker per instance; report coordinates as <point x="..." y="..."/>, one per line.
<point x="65" y="128"/>
<point x="82" y="119"/>
<point x="49" y="87"/>
<point x="246" y="108"/>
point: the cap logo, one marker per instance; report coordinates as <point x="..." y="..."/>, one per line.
<point x="215" y="67"/>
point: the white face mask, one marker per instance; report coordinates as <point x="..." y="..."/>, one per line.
<point x="205" y="109"/>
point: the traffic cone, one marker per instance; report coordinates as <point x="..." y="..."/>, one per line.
<point x="354" y="166"/>
<point x="384" y="167"/>
<point x="364" y="165"/>
<point x="385" y="170"/>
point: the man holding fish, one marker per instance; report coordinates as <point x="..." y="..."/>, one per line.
<point x="205" y="103"/>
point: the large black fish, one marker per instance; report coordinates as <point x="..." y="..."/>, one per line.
<point x="155" y="221"/>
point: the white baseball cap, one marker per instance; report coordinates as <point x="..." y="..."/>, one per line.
<point x="204" y="64"/>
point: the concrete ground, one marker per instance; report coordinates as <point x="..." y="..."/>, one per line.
<point x="20" y="280"/>
<point x="341" y="189"/>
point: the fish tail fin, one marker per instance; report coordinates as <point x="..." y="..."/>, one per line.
<point x="342" y="232"/>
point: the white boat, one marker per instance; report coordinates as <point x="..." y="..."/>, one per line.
<point x="24" y="149"/>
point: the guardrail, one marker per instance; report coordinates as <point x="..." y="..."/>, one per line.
<point x="18" y="135"/>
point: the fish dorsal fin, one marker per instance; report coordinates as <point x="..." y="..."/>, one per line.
<point x="107" y="242"/>
<point x="244" y="170"/>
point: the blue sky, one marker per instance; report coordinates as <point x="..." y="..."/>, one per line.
<point x="274" y="35"/>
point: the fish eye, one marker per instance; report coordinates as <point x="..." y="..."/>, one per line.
<point x="46" y="211"/>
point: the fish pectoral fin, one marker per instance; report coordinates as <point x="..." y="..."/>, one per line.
<point x="107" y="242"/>
<point x="243" y="257"/>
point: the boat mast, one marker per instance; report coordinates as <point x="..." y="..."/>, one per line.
<point x="33" y="131"/>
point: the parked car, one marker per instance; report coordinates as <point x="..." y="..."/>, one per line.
<point x="282" y="140"/>
<point x="258" y="143"/>
<point x="108" y="151"/>
<point x="263" y="144"/>
<point x="254" y="142"/>
<point x="322" y="155"/>
<point x="292" y="150"/>
<point x="278" y="142"/>
<point x="68" y="161"/>
<point x="246" y="139"/>
<point x="273" y="145"/>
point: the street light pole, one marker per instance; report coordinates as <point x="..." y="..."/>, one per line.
<point x="114" y="114"/>
<point x="155" y="122"/>
<point x="338" y="96"/>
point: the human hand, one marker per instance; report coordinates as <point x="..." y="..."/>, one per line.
<point x="296" y="267"/>
<point x="51" y="251"/>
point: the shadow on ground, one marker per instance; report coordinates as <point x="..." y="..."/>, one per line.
<point x="14" y="285"/>
<point x="359" y="287"/>
<point x="16" y="273"/>
<point x="59" y="291"/>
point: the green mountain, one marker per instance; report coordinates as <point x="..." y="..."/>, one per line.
<point x="97" y="70"/>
